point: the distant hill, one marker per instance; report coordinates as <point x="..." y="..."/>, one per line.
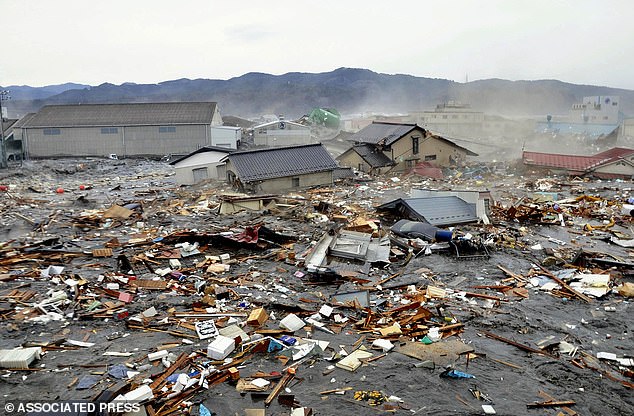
<point x="346" y="89"/>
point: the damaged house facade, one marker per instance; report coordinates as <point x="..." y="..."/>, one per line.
<point x="280" y="169"/>
<point x="141" y="129"/>
<point x="395" y="147"/>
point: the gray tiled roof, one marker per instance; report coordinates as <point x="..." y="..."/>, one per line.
<point x="386" y="133"/>
<point x="281" y="162"/>
<point x="439" y="211"/>
<point x="372" y="155"/>
<point x="136" y="114"/>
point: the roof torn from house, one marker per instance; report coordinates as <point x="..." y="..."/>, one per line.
<point x="440" y="211"/>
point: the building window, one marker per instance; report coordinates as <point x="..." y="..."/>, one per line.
<point x="52" y="132"/>
<point x="444" y="117"/>
<point x="167" y="129"/>
<point x="415" y="145"/>
<point x="295" y="182"/>
<point x="410" y="163"/>
<point x="454" y="116"/>
<point x="430" y="158"/>
<point x="109" y="130"/>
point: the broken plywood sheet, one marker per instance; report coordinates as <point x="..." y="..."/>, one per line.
<point x="118" y="212"/>
<point x="441" y="353"/>
<point x="149" y="284"/>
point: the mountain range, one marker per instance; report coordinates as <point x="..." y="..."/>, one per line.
<point x="349" y="90"/>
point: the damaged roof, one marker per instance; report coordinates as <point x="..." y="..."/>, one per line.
<point x="372" y="156"/>
<point x="381" y="132"/>
<point x="134" y="114"/>
<point x="281" y="162"/>
<point x="439" y="211"/>
<point x="575" y="163"/>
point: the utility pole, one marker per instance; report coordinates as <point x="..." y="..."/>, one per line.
<point x="4" y="95"/>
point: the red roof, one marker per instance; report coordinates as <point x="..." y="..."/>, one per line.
<point x="574" y="162"/>
<point x="569" y="162"/>
<point x="615" y="153"/>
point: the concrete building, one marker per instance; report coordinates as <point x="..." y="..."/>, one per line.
<point x="143" y="129"/>
<point x="451" y="118"/>
<point x="204" y="163"/>
<point x="595" y="116"/>
<point x="280" y="169"/>
<point x="281" y="133"/>
<point x="404" y="145"/>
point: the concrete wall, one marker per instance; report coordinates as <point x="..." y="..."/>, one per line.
<point x="128" y="141"/>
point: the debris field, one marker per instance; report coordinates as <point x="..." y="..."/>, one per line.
<point x="118" y="286"/>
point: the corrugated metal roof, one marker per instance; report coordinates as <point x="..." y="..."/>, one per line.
<point x="568" y="162"/>
<point x="386" y="133"/>
<point x="135" y="114"/>
<point x="439" y="211"/>
<point x="281" y="162"/>
<point x="373" y="157"/>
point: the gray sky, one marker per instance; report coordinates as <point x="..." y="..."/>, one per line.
<point x="49" y="42"/>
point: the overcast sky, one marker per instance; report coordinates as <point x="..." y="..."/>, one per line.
<point x="50" y="42"/>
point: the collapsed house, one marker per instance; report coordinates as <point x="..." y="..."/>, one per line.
<point x="617" y="162"/>
<point x="382" y="147"/>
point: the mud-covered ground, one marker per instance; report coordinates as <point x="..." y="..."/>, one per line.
<point x="33" y="211"/>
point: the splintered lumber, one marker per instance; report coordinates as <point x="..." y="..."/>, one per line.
<point x="550" y="403"/>
<point x="279" y="386"/>
<point x="172" y="368"/>
<point x="565" y="285"/>
<point x="517" y="344"/>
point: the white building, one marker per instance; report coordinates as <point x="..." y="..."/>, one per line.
<point x="226" y="136"/>
<point x="281" y="133"/>
<point x="204" y="163"/>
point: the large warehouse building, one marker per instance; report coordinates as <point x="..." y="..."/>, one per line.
<point x="143" y="129"/>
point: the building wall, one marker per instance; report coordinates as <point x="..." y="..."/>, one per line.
<point x="627" y="128"/>
<point x="222" y="136"/>
<point x="185" y="175"/>
<point x="351" y="159"/>
<point x="286" y="183"/>
<point x="272" y="135"/>
<point x="184" y="170"/>
<point x="616" y="168"/>
<point x="127" y="141"/>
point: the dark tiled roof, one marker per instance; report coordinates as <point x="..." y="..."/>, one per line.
<point x="372" y="155"/>
<point x="203" y="150"/>
<point x="439" y="211"/>
<point x="281" y="162"/>
<point x="137" y="114"/>
<point x="386" y="133"/>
